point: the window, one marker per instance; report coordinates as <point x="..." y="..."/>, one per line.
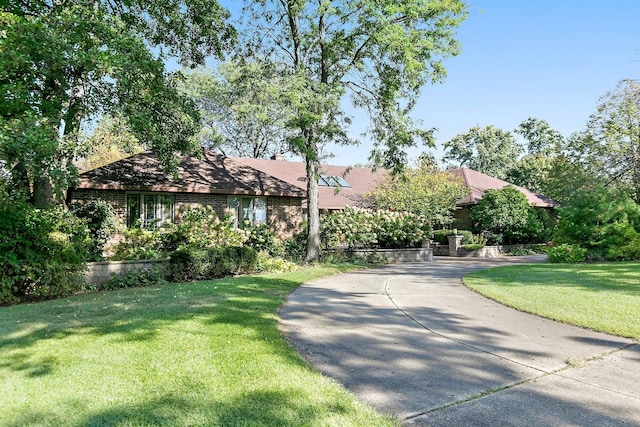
<point x="251" y="209"/>
<point x="332" y="181"/>
<point x="151" y="209"/>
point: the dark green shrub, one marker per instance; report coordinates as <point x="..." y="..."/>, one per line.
<point x="193" y="263"/>
<point x="42" y="253"/>
<point x="566" y="254"/>
<point x="135" y="279"/>
<point x="473" y="246"/>
<point x="295" y="247"/>
<point x="505" y="217"/>
<point x="607" y="225"/>
<point x="101" y="221"/>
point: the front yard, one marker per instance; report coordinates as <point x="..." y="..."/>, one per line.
<point x="602" y="297"/>
<point x="201" y="353"/>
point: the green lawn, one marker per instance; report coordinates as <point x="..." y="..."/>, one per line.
<point x="202" y="353"/>
<point x="602" y="297"/>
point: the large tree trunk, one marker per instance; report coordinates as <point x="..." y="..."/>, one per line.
<point x="313" y="211"/>
<point x="43" y="192"/>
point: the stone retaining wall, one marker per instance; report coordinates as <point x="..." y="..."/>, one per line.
<point x="399" y="255"/>
<point x="485" y="252"/>
<point x="100" y="272"/>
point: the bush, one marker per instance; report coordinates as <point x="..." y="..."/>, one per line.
<point x="193" y="263"/>
<point x="566" y="254"/>
<point x="135" y="279"/>
<point x="261" y="238"/>
<point x="265" y="263"/>
<point x="295" y="247"/>
<point x="42" y="253"/>
<point x="472" y="247"/>
<point x="355" y="228"/>
<point x="101" y="222"/>
<point x="139" y="244"/>
<point x="607" y="225"/>
<point x="505" y="217"/>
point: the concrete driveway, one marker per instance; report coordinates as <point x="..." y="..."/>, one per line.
<point x="412" y="341"/>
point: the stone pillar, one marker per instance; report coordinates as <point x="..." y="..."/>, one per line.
<point x="454" y="243"/>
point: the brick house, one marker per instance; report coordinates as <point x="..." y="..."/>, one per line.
<point x="257" y="190"/>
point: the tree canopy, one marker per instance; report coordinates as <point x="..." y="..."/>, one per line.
<point x="63" y="64"/>
<point x="379" y="53"/>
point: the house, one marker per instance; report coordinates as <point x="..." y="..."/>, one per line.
<point x="257" y="190"/>
<point x="477" y="183"/>
<point x="140" y="190"/>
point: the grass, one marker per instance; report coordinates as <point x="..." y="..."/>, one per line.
<point x="201" y="353"/>
<point x="601" y="297"/>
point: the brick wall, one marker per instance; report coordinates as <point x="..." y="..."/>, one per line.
<point x="284" y="213"/>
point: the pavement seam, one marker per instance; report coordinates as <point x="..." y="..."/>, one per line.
<point x="425" y="327"/>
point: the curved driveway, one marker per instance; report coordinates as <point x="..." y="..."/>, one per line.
<point x="412" y="341"/>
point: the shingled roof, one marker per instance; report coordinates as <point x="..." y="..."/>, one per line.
<point x="211" y="173"/>
<point x="360" y="180"/>
<point x="477" y="183"/>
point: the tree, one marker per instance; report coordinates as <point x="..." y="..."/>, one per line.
<point x="65" y="63"/>
<point x="243" y="109"/>
<point x="610" y="145"/>
<point x="378" y="52"/>
<point x="109" y="142"/>
<point x="505" y="216"/>
<point x="488" y="150"/>
<point x="422" y="190"/>
<point x="543" y="145"/>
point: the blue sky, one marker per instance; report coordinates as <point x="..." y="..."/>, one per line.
<point x="525" y="58"/>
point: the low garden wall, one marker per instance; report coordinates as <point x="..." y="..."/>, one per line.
<point x="399" y="255"/>
<point x="99" y="272"/>
<point x="485" y="252"/>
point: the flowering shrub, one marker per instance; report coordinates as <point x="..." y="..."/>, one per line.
<point x="364" y="228"/>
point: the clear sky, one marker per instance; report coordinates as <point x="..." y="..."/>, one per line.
<point x="528" y="58"/>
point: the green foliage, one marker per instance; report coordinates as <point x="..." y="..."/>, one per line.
<point x="565" y="253"/>
<point x="602" y="222"/>
<point x="198" y="227"/>
<point x="473" y="246"/>
<point x="194" y="263"/>
<point x="42" y="253"/>
<point x="295" y="247"/>
<point x="101" y="221"/>
<point x="136" y="279"/>
<point x="66" y="63"/>
<point x="363" y="228"/>
<point x="505" y="217"/>
<point x="488" y="150"/>
<point x="442" y="236"/>
<point x="262" y="239"/>
<point x="139" y="244"/>
<point x="423" y="191"/>
<point x="265" y="263"/>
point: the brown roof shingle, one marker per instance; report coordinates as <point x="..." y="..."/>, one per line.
<point x="477" y="183"/>
<point x="212" y="173"/>
<point x="361" y="180"/>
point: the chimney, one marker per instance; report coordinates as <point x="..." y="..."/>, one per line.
<point x="278" y="156"/>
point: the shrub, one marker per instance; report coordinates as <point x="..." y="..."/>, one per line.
<point x="194" y="263"/>
<point x="101" y="222"/>
<point x="607" y="225"/>
<point x="139" y="244"/>
<point x="504" y="216"/>
<point x="42" y="253"/>
<point x="473" y="247"/>
<point x="355" y="228"/>
<point x="295" y="247"/>
<point x="265" y="263"/>
<point x="261" y="238"/>
<point x="565" y="253"/>
<point x="135" y="279"/>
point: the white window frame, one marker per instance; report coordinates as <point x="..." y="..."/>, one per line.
<point x="154" y="210"/>
<point x="253" y="209"/>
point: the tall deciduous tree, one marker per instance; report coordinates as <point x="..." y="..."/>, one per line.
<point x="243" y="107"/>
<point x="488" y="150"/>
<point x="610" y="145"/>
<point x="63" y="63"/>
<point x="380" y="52"/>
